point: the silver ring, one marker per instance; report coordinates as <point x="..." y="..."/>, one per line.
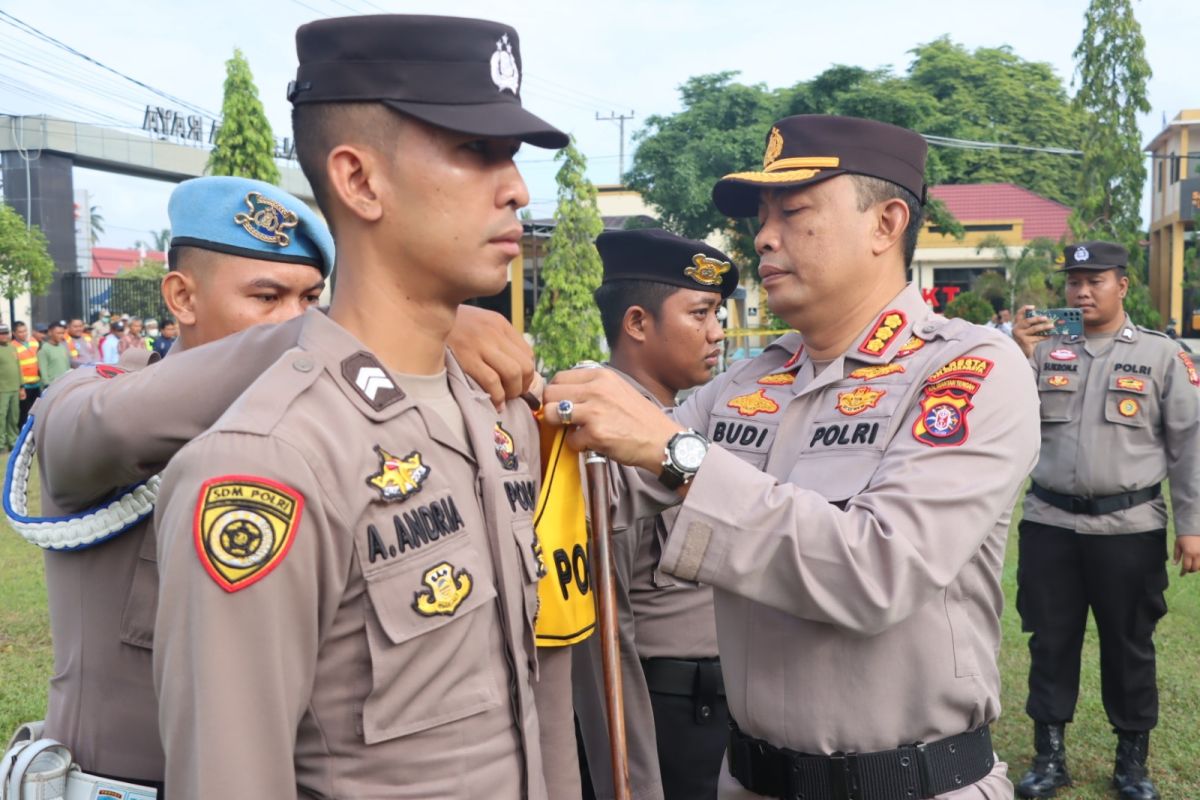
<point x="565" y="407"/>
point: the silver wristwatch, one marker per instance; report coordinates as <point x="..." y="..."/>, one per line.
<point x="683" y="455"/>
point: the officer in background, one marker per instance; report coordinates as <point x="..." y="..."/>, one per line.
<point x="102" y="596"/>
<point x="1120" y="412"/>
<point x="855" y="545"/>
<point x="659" y="302"/>
<point x="12" y="390"/>
<point x="352" y="576"/>
<point x="31" y="379"/>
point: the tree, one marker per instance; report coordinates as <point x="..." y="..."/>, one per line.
<point x="95" y="224"/>
<point x="146" y="269"/>
<point x="566" y="324"/>
<point x="1029" y="274"/>
<point x="160" y="240"/>
<point x="1112" y="71"/>
<point x="137" y="290"/>
<point x="245" y="145"/>
<point x="25" y="263"/>
<point x="971" y="307"/>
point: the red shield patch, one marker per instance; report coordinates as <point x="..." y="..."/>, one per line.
<point x="942" y="421"/>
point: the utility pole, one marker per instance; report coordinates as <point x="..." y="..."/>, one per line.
<point x="620" y="120"/>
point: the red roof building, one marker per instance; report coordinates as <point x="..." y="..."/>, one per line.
<point x="108" y="262"/>
<point x="1039" y="217"/>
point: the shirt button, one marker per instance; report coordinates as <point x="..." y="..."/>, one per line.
<point x="302" y="365"/>
<point x="926" y="329"/>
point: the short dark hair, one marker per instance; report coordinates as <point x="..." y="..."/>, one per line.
<point x="319" y="127"/>
<point x="876" y="190"/>
<point x="614" y="298"/>
<point x="19" y="324"/>
<point x="54" y="325"/>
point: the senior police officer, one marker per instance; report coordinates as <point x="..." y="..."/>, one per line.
<point x="1120" y="410"/>
<point x="353" y="582"/>
<point x="855" y="546"/>
<point x="102" y="582"/>
<point x="658" y="303"/>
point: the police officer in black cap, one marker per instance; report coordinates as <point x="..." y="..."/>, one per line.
<point x="350" y="582"/>
<point x="659" y="304"/>
<point x="1120" y="410"/>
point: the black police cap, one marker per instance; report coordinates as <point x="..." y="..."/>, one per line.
<point x="652" y="254"/>
<point x="814" y="147"/>
<point x="1094" y="255"/>
<point x="460" y="74"/>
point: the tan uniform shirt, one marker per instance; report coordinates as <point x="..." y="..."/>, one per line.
<point x="660" y="616"/>
<point x="102" y="599"/>
<point x="1118" y="415"/>
<point x="853" y="525"/>
<point x="352" y="591"/>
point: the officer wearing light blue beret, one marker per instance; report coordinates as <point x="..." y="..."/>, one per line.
<point x="248" y="218"/>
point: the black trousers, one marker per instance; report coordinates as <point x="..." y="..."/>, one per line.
<point x="690" y="750"/>
<point x="30" y="396"/>
<point x="1121" y="578"/>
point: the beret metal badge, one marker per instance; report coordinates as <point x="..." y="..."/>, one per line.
<point x="774" y="147"/>
<point x="505" y="74"/>
<point x="267" y="220"/>
<point x="707" y="271"/>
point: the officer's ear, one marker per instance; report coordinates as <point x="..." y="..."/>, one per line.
<point x="891" y="221"/>
<point x="353" y="172"/>
<point x="636" y="323"/>
<point x="179" y="293"/>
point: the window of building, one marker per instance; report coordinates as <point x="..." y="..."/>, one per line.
<point x="1174" y="168"/>
<point x="1160" y="172"/>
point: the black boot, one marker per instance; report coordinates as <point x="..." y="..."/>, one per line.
<point x="1129" y="775"/>
<point x="1049" y="770"/>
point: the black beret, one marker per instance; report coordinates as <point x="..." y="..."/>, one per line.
<point x="460" y="74"/>
<point x="814" y="147"/>
<point x="652" y="254"/>
<point x="1094" y="255"/>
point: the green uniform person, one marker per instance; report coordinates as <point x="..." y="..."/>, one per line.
<point x="11" y="392"/>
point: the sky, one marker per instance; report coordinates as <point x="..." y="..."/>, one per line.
<point x="580" y="60"/>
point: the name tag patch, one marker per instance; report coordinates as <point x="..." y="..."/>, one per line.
<point x="415" y="529"/>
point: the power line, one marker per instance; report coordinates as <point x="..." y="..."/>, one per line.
<point x="968" y="144"/>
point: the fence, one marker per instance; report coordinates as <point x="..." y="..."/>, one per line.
<point x="84" y="297"/>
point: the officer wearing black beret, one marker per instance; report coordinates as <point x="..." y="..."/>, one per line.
<point x="1120" y="412"/>
<point x="659" y="303"/>
<point x="353" y="582"/>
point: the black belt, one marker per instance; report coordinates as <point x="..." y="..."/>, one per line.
<point x="916" y="770"/>
<point x="1095" y="506"/>
<point x="699" y="679"/>
<point x="684" y="677"/>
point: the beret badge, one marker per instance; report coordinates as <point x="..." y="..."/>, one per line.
<point x="267" y="221"/>
<point x="707" y="271"/>
<point x="774" y="147"/>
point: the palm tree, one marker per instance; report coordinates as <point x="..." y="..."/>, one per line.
<point x="161" y="240"/>
<point x="95" y="224"/>
<point x="1027" y="276"/>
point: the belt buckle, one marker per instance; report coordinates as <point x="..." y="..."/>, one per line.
<point x="843" y="776"/>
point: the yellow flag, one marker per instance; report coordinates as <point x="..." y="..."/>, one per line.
<point x="567" y="611"/>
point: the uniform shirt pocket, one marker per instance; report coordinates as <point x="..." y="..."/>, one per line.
<point x="1129" y="401"/>
<point x="836" y="480"/>
<point x="1058" y="394"/>
<point x="141" y="604"/>
<point x="429" y="630"/>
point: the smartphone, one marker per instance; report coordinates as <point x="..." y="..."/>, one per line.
<point x="1067" y="321"/>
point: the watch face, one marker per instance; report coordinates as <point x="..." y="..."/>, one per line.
<point x="688" y="452"/>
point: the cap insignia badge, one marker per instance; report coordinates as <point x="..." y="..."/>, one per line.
<point x="505" y="73"/>
<point x="774" y="147"/>
<point x="398" y="478"/>
<point x="1082" y="254"/>
<point x="506" y="448"/>
<point x="443" y="592"/>
<point x="267" y="220"/>
<point x="707" y="271"/>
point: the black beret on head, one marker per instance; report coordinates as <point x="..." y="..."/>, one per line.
<point x="653" y="254"/>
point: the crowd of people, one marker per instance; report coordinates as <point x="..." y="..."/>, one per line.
<point x="33" y="358"/>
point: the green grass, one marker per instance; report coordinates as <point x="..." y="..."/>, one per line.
<point x="25" y="666"/>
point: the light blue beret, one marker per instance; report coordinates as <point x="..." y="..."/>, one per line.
<point x="248" y="218"/>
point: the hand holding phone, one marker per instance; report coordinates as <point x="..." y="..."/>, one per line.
<point x="1067" y="321"/>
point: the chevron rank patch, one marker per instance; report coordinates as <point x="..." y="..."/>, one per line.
<point x="443" y="592"/>
<point x="890" y="322"/>
<point x="370" y="380"/>
<point x="244" y="526"/>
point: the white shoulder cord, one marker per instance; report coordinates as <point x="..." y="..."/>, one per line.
<point x="74" y="531"/>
